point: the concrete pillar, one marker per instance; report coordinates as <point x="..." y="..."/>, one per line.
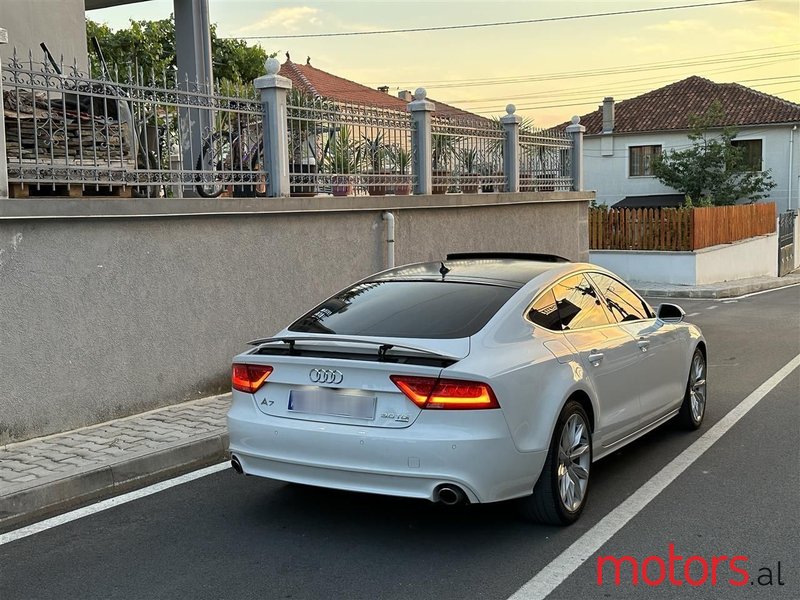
<point x="3" y="161"/>
<point x="274" y="89"/>
<point x="421" y="145"/>
<point x="193" y="50"/>
<point x="576" y="130"/>
<point x="511" y="123"/>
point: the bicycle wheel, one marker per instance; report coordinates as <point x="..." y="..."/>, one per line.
<point x="214" y="156"/>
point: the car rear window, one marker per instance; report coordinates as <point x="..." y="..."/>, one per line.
<point x="407" y="309"/>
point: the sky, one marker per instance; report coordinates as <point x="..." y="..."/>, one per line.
<point x="549" y="71"/>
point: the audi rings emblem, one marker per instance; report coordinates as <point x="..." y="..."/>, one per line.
<point x="333" y="376"/>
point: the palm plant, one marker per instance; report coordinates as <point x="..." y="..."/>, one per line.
<point x="401" y="159"/>
<point x="342" y="161"/>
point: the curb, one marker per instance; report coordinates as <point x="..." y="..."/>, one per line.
<point x="714" y="293"/>
<point x="23" y="504"/>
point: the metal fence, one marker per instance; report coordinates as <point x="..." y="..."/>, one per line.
<point x="151" y="135"/>
<point x="347" y="149"/>
<point x="545" y="158"/>
<point x="467" y="155"/>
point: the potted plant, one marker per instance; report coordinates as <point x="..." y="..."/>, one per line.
<point x="468" y="163"/>
<point x="402" y="161"/>
<point x="444" y="146"/>
<point x="375" y="154"/>
<point x="342" y="161"/>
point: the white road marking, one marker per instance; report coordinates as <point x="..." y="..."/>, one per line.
<point x="694" y="314"/>
<point x="730" y="301"/>
<point x="110" y="503"/>
<point x="549" y="578"/>
<point x="712" y="307"/>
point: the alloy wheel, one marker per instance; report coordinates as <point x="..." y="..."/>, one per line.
<point x="574" y="459"/>
<point x="697" y="387"/>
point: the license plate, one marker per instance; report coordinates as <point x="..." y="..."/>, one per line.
<point x="332" y="403"/>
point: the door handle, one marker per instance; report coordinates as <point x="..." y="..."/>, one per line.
<point x="595" y="357"/>
<point x="643" y="345"/>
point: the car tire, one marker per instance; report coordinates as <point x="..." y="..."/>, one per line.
<point x="562" y="489"/>
<point x="693" y="408"/>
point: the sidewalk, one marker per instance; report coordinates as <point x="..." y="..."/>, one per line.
<point x="54" y="472"/>
<point x="724" y="289"/>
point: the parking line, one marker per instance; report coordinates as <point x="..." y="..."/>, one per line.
<point x="79" y="513"/>
<point x="712" y="307"/>
<point x="694" y="314"/>
<point x="549" y="578"/>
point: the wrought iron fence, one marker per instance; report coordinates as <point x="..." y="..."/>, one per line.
<point x="545" y="161"/>
<point x="153" y="135"/>
<point x="345" y="149"/>
<point x="467" y="155"/>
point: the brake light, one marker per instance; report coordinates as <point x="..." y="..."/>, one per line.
<point x="430" y="392"/>
<point x="249" y="378"/>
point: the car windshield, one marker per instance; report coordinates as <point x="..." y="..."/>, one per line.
<point x="407" y="309"/>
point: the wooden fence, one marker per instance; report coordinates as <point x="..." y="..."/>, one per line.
<point x="683" y="229"/>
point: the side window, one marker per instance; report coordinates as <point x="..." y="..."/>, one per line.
<point x="621" y="302"/>
<point x="579" y="304"/>
<point x="544" y="312"/>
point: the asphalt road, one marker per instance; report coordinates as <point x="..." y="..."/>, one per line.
<point x="226" y="536"/>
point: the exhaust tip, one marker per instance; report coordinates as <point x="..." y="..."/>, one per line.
<point x="451" y="495"/>
<point x="237" y="466"/>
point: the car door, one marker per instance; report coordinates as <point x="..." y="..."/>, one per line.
<point x="609" y="356"/>
<point x="659" y="377"/>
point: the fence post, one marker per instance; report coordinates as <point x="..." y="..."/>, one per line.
<point x="273" y="89"/>
<point x="576" y="130"/>
<point x="3" y="161"/>
<point x="511" y="124"/>
<point x="421" y="143"/>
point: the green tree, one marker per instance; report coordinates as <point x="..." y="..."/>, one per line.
<point x="149" y="47"/>
<point x="713" y="169"/>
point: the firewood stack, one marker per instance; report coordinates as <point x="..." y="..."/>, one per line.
<point x="54" y="130"/>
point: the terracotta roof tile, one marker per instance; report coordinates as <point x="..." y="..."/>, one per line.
<point x="669" y="107"/>
<point x="321" y="83"/>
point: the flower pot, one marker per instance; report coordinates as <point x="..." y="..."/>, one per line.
<point x="469" y="183"/>
<point x="402" y="189"/>
<point x="342" y="185"/>
<point x="303" y="183"/>
<point x="440" y="188"/>
<point x="378" y="189"/>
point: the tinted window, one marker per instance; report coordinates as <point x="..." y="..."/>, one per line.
<point x="415" y="309"/>
<point x="579" y="304"/>
<point x="622" y="303"/>
<point x="544" y="312"/>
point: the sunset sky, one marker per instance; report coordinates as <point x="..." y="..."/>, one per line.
<point x="550" y="70"/>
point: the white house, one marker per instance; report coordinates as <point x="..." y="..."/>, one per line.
<point x="622" y="137"/>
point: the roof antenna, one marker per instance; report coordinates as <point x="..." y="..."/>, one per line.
<point x="443" y="270"/>
<point x="308" y="61"/>
<point x="288" y="58"/>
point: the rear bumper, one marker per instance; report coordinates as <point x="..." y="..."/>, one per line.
<point x="472" y="450"/>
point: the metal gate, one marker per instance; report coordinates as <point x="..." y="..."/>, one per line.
<point x="786" y="247"/>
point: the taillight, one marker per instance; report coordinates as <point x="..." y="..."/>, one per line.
<point x="249" y="378"/>
<point x="430" y="392"/>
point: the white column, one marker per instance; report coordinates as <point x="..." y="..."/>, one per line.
<point x="273" y="89"/>
<point x="577" y="130"/>
<point x="421" y="116"/>
<point x="3" y="162"/>
<point x="511" y="124"/>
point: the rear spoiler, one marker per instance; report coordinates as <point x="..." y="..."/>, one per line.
<point x="514" y="255"/>
<point x="383" y="347"/>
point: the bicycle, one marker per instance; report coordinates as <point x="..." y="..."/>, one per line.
<point x="227" y="158"/>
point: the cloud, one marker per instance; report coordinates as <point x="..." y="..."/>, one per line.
<point x="287" y="19"/>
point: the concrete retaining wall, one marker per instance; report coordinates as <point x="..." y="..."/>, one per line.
<point x="102" y="317"/>
<point x="754" y="257"/>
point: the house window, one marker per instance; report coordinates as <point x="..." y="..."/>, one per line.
<point x="752" y="153"/>
<point x="641" y="160"/>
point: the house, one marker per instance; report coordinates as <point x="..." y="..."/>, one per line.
<point x="621" y="139"/>
<point x="319" y="83"/>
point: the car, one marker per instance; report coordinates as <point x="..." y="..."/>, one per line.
<point x="483" y="377"/>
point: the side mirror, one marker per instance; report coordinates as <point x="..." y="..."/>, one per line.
<point x="670" y="313"/>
